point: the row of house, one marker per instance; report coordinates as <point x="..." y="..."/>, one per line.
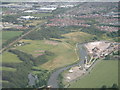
<point x="108" y="28"/>
<point x="67" y="22"/>
<point x="6" y="25"/>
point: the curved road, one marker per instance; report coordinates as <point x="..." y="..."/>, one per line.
<point x="53" y="80"/>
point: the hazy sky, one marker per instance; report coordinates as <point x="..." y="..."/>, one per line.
<point x="60" y="0"/>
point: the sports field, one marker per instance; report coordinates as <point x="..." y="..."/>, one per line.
<point x="104" y="73"/>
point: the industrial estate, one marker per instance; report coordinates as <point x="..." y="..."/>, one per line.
<point x="59" y="45"/>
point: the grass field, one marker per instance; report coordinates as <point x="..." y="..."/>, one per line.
<point x="76" y="37"/>
<point x="8" y="57"/>
<point x="6" y="35"/>
<point x="64" y="54"/>
<point x="34" y="46"/>
<point x="64" y="51"/>
<point x="8" y="69"/>
<point x="104" y="73"/>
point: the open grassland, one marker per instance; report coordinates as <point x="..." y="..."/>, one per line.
<point x="104" y="73"/>
<point x="35" y="46"/>
<point x="8" y="57"/>
<point x="8" y="69"/>
<point x="75" y="37"/>
<point x="64" y="56"/>
<point x="64" y="53"/>
<point x="6" y="35"/>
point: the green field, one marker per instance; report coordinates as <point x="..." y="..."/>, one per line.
<point x="6" y="35"/>
<point x="8" y="57"/>
<point x="64" y="53"/>
<point x="64" y="56"/>
<point x="104" y="73"/>
<point x="75" y="37"/>
<point x="8" y="69"/>
<point x="34" y="45"/>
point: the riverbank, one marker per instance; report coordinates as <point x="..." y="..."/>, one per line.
<point x="53" y="80"/>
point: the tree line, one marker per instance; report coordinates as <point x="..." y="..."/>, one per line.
<point x="19" y="78"/>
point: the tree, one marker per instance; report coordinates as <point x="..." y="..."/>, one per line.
<point x="107" y="57"/>
<point x="115" y="86"/>
<point x="104" y="87"/>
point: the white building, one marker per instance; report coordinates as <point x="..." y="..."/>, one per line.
<point x="27" y="17"/>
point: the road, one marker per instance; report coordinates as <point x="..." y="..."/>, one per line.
<point x="53" y="80"/>
<point x="12" y="43"/>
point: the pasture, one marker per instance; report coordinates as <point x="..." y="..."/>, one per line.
<point x="104" y="73"/>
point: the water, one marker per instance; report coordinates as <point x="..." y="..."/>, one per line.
<point x="32" y="79"/>
<point x="53" y="80"/>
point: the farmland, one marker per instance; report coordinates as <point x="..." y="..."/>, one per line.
<point x="104" y="73"/>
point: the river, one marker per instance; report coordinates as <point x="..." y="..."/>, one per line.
<point x="53" y="80"/>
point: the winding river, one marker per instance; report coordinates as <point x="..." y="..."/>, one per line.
<point x="53" y="80"/>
